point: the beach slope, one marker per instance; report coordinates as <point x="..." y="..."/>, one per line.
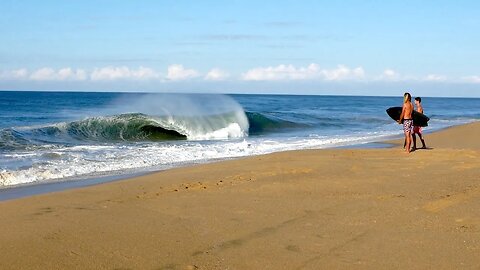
<point x="313" y="209"/>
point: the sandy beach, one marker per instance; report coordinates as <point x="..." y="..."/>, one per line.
<point x="313" y="209"/>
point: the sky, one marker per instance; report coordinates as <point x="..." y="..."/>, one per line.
<point x="351" y="47"/>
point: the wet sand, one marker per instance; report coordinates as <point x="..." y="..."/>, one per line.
<point x="313" y="209"/>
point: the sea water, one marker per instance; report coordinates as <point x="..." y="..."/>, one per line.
<point x="58" y="136"/>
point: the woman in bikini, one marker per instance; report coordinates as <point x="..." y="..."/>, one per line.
<point x="406" y="118"/>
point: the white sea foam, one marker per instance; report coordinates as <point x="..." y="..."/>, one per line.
<point x="233" y="130"/>
<point x="94" y="160"/>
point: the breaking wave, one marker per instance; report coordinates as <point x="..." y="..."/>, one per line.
<point x="130" y="127"/>
<point x="142" y="127"/>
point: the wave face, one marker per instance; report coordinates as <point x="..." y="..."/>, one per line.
<point x="260" y="123"/>
<point x="129" y="127"/>
<point x="141" y="127"/>
<point x="123" y="127"/>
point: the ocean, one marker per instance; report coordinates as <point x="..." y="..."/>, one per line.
<point x="61" y="136"/>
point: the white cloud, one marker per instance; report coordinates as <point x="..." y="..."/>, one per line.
<point x="359" y="72"/>
<point x="178" y="72"/>
<point x="123" y="73"/>
<point x="50" y="74"/>
<point x="281" y="72"/>
<point x="435" y="78"/>
<point x="216" y="75"/>
<point x="472" y="79"/>
<point x="16" y="74"/>
<point x="389" y="75"/>
<point x="70" y="74"/>
<point x="312" y="71"/>
<point x="343" y="73"/>
<point x="43" y="74"/>
<point x="394" y="76"/>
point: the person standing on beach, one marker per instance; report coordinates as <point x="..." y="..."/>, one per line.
<point x="406" y="118"/>
<point x="417" y="130"/>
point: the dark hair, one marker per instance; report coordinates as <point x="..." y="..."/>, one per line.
<point x="419" y="99"/>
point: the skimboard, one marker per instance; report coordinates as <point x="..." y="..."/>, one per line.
<point x="419" y="119"/>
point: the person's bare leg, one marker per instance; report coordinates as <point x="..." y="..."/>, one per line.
<point x="423" y="141"/>
<point x="409" y="141"/>
<point x="414" y="141"/>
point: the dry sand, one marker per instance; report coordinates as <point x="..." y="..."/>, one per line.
<point x="315" y="209"/>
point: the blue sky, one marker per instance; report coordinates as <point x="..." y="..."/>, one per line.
<point x="298" y="47"/>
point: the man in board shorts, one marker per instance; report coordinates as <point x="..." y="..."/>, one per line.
<point x="417" y="130"/>
<point x="406" y="118"/>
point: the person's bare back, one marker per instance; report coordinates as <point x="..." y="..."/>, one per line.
<point x="407" y="111"/>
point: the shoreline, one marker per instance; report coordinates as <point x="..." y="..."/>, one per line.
<point x="304" y="209"/>
<point x="58" y="185"/>
<point x="52" y="186"/>
<point x="32" y="189"/>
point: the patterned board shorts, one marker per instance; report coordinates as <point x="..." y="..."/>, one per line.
<point x="417" y="129"/>
<point x="407" y="125"/>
